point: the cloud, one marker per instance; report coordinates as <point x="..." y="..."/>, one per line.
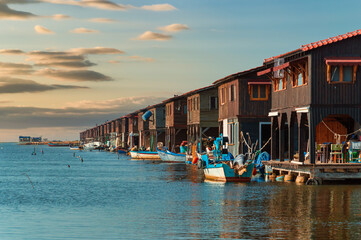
<point x="83" y="114"/>
<point x="60" y="17"/>
<point x="74" y="75"/>
<point x="68" y="64"/>
<point x="15" y="69"/>
<point x="42" y="30"/>
<point x="11" y="14"/>
<point x="100" y="4"/>
<point x="15" y="85"/>
<point x="176" y="27"/>
<point x="11" y="52"/>
<point x="102" y="20"/>
<point x="96" y="50"/>
<point x="83" y="30"/>
<point x="149" y="35"/>
<point x="159" y="7"/>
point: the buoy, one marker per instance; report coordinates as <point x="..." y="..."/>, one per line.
<point x="288" y="178"/>
<point x="68" y="166"/>
<point x="300" y="179"/>
<point x="272" y="177"/>
<point x="81" y="159"/>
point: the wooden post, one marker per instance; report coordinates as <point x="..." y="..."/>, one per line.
<point x="301" y="137"/>
<point x="274" y="140"/>
<point x="281" y="138"/>
<point x="291" y="135"/>
<point x="311" y="138"/>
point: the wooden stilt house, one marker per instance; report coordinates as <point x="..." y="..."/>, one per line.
<point x="316" y="99"/>
<point x="244" y="103"/>
<point x="202" y="117"/>
<point x="176" y="121"/>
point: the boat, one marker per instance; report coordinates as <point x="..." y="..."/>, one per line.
<point x="122" y="151"/>
<point x="223" y="172"/>
<point x="92" y="146"/>
<point x="58" y="144"/>
<point x="146" y="155"/>
<point x="222" y="166"/>
<point x="171" y="156"/>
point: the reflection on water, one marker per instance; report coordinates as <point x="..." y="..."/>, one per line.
<point x="107" y="198"/>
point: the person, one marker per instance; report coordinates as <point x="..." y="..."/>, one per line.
<point x="183" y="147"/>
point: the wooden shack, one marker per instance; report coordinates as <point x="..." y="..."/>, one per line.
<point x="143" y="130"/>
<point x="133" y="133"/>
<point x="315" y="97"/>
<point x="244" y="103"/>
<point x="202" y="115"/>
<point x="124" y="131"/>
<point x="156" y="125"/>
<point x="175" y="121"/>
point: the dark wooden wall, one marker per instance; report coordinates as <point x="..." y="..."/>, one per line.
<point x="324" y="93"/>
<point x="177" y="118"/>
<point x="228" y="109"/>
<point x="248" y="107"/>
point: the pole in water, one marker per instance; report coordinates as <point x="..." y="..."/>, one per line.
<point x="73" y="154"/>
<point x="42" y="152"/>
<point x="29" y="180"/>
<point x="81" y="159"/>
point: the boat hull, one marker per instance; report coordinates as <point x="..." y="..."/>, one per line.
<point x="170" y="156"/>
<point x="57" y="145"/>
<point x="144" y="155"/>
<point x="222" y="172"/>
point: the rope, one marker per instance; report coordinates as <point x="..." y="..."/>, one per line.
<point x="338" y="136"/>
<point x="265" y="144"/>
<point x="245" y="141"/>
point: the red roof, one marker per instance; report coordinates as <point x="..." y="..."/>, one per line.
<point x="317" y="44"/>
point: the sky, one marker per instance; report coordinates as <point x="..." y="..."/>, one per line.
<point x="67" y="65"/>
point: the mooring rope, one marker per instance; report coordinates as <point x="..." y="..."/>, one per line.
<point x="338" y="136"/>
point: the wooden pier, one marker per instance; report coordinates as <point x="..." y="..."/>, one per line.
<point x="317" y="173"/>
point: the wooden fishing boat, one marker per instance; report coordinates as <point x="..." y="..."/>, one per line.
<point x="145" y="155"/>
<point x="60" y="144"/>
<point x="221" y="165"/>
<point x="170" y="156"/>
<point x="223" y="172"/>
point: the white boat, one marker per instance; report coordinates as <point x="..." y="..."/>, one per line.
<point x="92" y="145"/>
<point x="170" y="156"/>
<point x="146" y="155"/>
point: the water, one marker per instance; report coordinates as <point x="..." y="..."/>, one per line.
<point x="109" y="198"/>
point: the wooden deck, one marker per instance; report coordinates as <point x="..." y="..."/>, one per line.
<point x="320" y="171"/>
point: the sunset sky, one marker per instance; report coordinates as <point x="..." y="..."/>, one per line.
<point x="67" y="65"/>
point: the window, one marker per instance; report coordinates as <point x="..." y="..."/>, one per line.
<point x="341" y="74"/>
<point x="231" y="93"/>
<point x="184" y="109"/>
<point x="299" y="74"/>
<point x="223" y="95"/>
<point x="213" y="103"/>
<point x="280" y="83"/>
<point x="194" y="104"/>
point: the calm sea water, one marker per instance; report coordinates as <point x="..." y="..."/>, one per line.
<point x="109" y="198"/>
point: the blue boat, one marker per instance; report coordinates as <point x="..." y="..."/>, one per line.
<point x="170" y="156"/>
<point x="223" y="167"/>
